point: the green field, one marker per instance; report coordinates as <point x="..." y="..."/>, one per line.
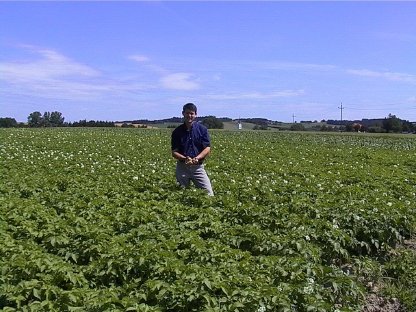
<point x="92" y="220"/>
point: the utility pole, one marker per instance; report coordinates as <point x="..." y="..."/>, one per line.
<point x="341" y="108"/>
<point x="293" y="117"/>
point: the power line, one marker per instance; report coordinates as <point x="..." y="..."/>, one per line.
<point x="380" y="109"/>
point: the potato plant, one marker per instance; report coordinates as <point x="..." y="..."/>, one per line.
<point x="92" y="220"/>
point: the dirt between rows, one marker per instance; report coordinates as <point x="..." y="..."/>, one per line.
<point x="377" y="303"/>
<point x="410" y="243"/>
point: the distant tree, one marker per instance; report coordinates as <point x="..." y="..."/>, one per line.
<point x="126" y="125"/>
<point x="376" y="129"/>
<point x="81" y="123"/>
<point x="257" y="121"/>
<point x="407" y="126"/>
<point x="392" y="123"/>
<point x="92" y="123"/>
<point x="348" y="127"/>
<point x="46" y="119"/>
<point x="297" y="127"/>
<point x="8" y="122"/>
<point x="341" y="128"/>
<point x="325" y="128"/>
<point x="261" y="126"/>
<point x="212" y="122"/>
<point x="56" y="119"/>
<point x="260" y="123"/>
<point x="35" y="119"/>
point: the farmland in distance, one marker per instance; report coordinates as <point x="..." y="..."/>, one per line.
<point x="92" y="220"/>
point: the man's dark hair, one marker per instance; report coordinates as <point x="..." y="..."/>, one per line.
<point x="189" y="106"/>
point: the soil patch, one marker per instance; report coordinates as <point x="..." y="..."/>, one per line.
<point x="410" y="243"/>
<point x="376" y="303"/>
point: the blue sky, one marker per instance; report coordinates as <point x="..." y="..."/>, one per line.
<point x="145" y="59"/>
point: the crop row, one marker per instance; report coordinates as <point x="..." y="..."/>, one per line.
<point x="92" y="220"/>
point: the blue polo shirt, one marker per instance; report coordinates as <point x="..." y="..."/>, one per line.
<point x="190" y="142"/>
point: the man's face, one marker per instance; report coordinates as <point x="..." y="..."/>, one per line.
<point x="189" y="116"/>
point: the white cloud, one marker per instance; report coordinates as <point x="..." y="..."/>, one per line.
<point x="384" y="75"/>
<point x="179" y="81"/>
<point x="291" y="66"/>
<point x="53" y="75"/>
<point x="50" y="65"/>
<point x="216" y="77"/>
<point x="255" y="95"/>
<point x="139" y="58"/>
<point x="168" y="80"/>
<point x="287" y="93"/>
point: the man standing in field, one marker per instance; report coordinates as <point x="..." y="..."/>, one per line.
<point x="190" y="146"/>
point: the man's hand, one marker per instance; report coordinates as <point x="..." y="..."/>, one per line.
<point x="191" y="161"/>
<point x="188" y="161"/>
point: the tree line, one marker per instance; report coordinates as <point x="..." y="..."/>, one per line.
<point x="390" y="124"/>
<point x="56" y="119"/>
<point x="50" y="119"/>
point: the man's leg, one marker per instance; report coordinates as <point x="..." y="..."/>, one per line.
<point x="201" y="179"/>
<point x="182" y="174"/>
